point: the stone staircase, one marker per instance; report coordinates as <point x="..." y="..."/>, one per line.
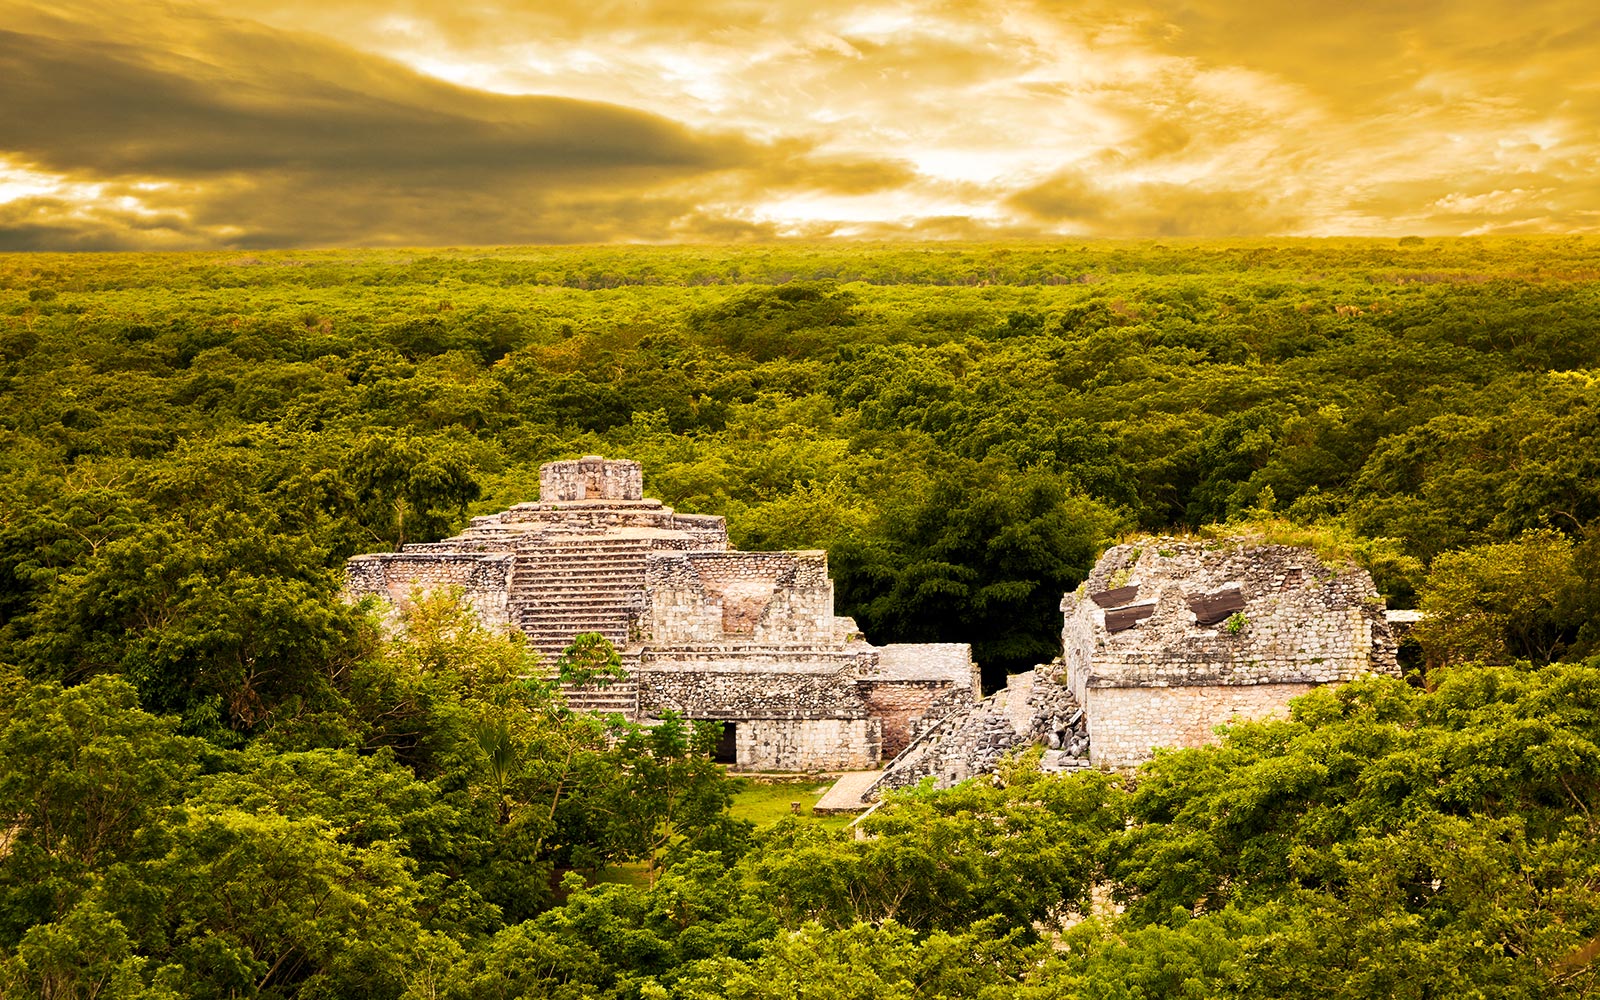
<point x="620" y="698"/>
<point x="565" y="584"/>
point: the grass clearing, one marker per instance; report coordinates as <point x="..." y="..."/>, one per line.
<point x="763" y="802"/>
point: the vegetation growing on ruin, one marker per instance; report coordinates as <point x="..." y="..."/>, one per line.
<point x="216" y="779"/>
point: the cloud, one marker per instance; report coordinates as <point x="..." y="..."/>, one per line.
<point x="302" y="122"/>
<point x="1081" y="205"/>
<point x="280" y="138"/>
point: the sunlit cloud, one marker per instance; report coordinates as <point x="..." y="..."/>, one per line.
<point x="298" y="122"/>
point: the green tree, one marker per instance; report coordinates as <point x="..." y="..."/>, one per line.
<point x="83" y="771"/>
<point x="409" y="488"/>
<point x="1499" y="602"/>
<point x="590" y="660"/>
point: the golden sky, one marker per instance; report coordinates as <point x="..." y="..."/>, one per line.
<point x="128" y="124"/>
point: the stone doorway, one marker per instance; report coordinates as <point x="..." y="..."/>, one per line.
<point x="727" y="748"/>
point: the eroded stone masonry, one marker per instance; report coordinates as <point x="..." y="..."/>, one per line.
<point x="746" y="638"/>
<point x="1167" y="640"/>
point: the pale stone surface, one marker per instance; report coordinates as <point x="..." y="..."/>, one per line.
<point x="591" y="478"/>
<point x="1129" y="724"/>
<point x="482" y="579"/>
<point x="847" y="795"/>
<point x="749" y="638"/>
<point x="1032" y="708"/>
<point x="1171" y="678"/>
<point x="807" y="744"/>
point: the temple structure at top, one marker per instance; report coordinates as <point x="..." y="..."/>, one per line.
<point x="746" y="638"/>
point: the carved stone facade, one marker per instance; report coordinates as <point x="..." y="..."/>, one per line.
<point x="746" y="638"/>
<point x="1169" y="639"/>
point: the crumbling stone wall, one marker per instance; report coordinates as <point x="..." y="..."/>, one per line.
<point x="482" y="579"/>
<point x="917" y="684"/>
<point x="762" y="597"/>
<point x="905" y="706"/>
<point x="591" y="478"/>
<point x="1032" y="709"/>
<point x="1182" y="629"/>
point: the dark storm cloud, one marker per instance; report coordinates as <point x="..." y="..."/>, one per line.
<point x="146" y="123"/>
<point x="106" y="107"/>
<point x="280" y="139"/>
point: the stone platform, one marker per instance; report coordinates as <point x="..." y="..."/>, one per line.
<point x="847" y="794"/>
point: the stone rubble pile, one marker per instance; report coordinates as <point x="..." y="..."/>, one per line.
<point x="1033" y="708"/>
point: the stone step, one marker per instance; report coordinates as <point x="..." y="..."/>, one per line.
<point x="552" y="652"/>
<point x="564" y="567"/>
<point x="587" y="583"/>
<point x="563" y="634"/>
<point x="579" y="561"/>
<point x="525" y="581"/>
<point x="551" y="581"/>
<point x="626" y="702"/>
<point x="620" y="691"/>
<point x="560" y="639"/>
<point x="591" y="573"/>
<point x="584" y="546"/>
<point x="573" y="614"/>
<point x="613" y="601"/>
<point x="561" y="617"/>
<point x="597" y="598"/>
<point x="551" y="628"/>
<point x="536" y="544"/>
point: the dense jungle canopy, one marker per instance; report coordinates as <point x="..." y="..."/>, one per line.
<point x="218" y="779"/>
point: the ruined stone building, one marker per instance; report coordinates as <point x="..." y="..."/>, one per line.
<point x="1169" y="639"/>
<point x="746" y="638"/>
<point x="1165" y="641"/>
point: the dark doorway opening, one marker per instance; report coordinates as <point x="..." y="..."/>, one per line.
<point x="727" y="749"/>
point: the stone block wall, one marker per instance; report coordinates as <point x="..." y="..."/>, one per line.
<point x="761" y="597"/>
<point x="807" y="744"/>
<point x="744" y="684"/>
<point x="1300" y="621"/>
<point x="907" y="707"/>
<point x="591" y="516"/>
<point x="1127" y="724"/>
<point x="1031" y="708"/>
<point x="1170" y="638"/>
<point x="701" y="532"/>
<point x="482" y="579"/>
<point x="591" y="478"/>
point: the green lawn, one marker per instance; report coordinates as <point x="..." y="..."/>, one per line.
<point x="767" y="802"/>
<point x="760" y="802"/>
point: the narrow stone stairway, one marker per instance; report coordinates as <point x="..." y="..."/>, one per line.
<point x="567" y="584"/>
